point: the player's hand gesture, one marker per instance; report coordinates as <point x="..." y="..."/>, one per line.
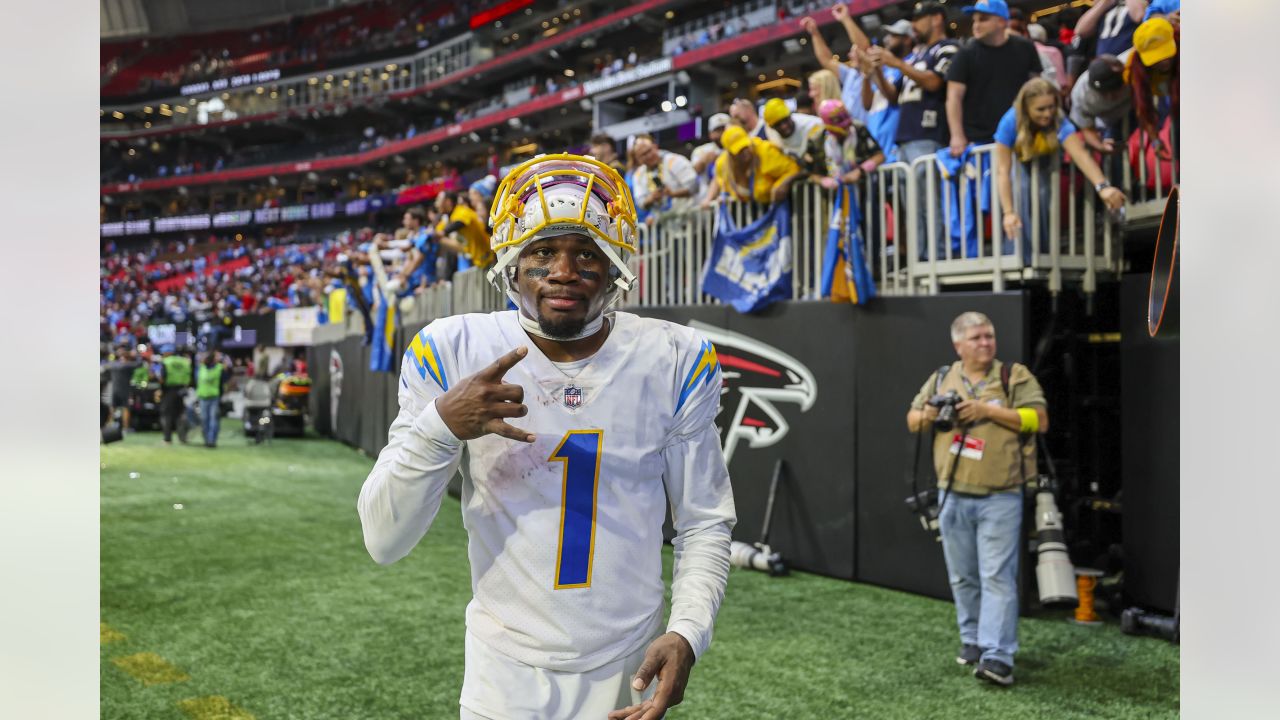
<point x="839" y="11"/>
<point x="478" y="404"/>
<point x="669" y="658"/>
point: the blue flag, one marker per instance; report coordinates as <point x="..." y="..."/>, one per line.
<point x="381" y="357"/>
<point x="750" y="268"/>
<point x="975" y="172"/>
<point x="844" y="242"/>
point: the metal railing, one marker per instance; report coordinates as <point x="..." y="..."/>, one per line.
<point x="923" y="231"/>
<point x="1076" y="242"/>
<point x="1145" y="187"/>
<point x="1067" y="239"/>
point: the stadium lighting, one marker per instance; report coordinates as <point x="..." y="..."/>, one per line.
<point x="391" y="66"/>
<point x="670" y="14"/>
<point x="515" y="36"/>
<point x="746" y="58"/>
<point x="568" y="72"/>
<point x="577" y="11"/>
<point x="146" y="124"/>
<point x="147" y="109"/>
<point x="681" y="101"/>
<point x="666" y="106"/>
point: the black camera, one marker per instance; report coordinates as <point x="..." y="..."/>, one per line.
<point x="925" y="505"/>
<point x="946" y="405"/>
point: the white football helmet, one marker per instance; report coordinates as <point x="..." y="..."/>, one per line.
<point x="559" y="194"/>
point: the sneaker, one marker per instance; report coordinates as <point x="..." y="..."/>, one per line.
<point x="969" y="655"/>
<point x="994" y="671"/>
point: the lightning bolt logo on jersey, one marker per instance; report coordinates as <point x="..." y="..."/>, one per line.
<point x="565" y="533"/>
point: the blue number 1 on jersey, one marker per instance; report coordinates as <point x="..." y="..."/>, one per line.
<point x="580" y="452"/>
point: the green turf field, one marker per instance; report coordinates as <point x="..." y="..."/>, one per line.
<point x="256" y="600"/>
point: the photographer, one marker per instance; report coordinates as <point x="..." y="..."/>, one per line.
<point x="978" y="405"/>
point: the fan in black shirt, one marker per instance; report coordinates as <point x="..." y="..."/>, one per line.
<point x="985" y="77"/>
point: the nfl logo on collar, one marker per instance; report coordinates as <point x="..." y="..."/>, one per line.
<point x="572" y="397"/>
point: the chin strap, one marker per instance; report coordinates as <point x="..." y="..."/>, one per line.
<point x="531" y="326"/>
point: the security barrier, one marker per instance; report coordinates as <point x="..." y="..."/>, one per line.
<point x="1055" y="245"/>
<point x="1067" y="238"/>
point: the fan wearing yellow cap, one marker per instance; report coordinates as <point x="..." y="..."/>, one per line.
<point x="1153" y="75"/>
<point x="753" y="169"/>
<point x="800" y="135"/>
<point x="576" y="430"/>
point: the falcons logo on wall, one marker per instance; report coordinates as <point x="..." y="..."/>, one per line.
<point x="756" y="377"/>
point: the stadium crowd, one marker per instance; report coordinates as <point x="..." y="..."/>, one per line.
<point x="346" y="34"/>
<point x="911" y="92"/>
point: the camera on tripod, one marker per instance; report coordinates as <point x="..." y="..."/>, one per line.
<point x="946" y="404"/>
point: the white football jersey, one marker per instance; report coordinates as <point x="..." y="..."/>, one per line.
<point x="565" y="533"/>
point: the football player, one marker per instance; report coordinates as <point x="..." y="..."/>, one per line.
<point x="580" y="426"/>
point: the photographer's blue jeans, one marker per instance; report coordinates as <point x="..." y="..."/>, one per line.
<point x="980" y="539"/>
<point x="209" y="419"/>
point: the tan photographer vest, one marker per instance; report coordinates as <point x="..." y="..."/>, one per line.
<point x="990" y="459"/>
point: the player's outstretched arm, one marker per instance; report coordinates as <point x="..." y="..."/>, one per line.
<point x="402" y="494"/>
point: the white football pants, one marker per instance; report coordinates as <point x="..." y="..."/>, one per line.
<point x="497" y="687"/>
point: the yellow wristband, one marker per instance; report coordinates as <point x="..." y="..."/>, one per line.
<point x="1030" y="420"/>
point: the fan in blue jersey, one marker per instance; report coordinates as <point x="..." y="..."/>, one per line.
<point x="581" y="427"/>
